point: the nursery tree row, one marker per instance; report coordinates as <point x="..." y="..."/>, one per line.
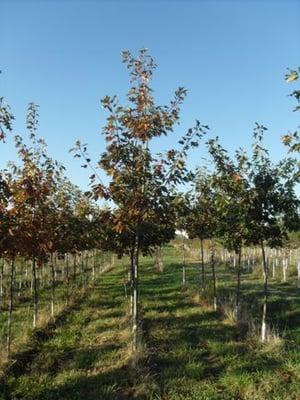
<point x="240" y="201"/>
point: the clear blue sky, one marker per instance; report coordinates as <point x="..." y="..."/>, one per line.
<point x="230" y="55"/>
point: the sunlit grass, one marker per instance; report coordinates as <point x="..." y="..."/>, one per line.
<point x="187" y="350"/>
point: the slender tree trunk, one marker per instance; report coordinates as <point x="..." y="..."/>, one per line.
<point x="238" y="286"/>
<point x="86" y="267"/>
<point x="55" y="264"/>
<point x="35" y="294"/>
<point x="214" y="274"/>
<point x="31" y="283"/>
<point x="286" y="268"/>
<point x="112" y="260"/>
<point x="126" y="280"/>
<point x="283" y="270"/>
<point x="1" y="281"/>
<point x="68" y="277"/>
<point x="158" y="261"/>
<point x="21" y="279"/>
<point x="82" y="269"/>
<point x="40" y="276"/>
<point x="62" y="272"/>
<point x="135" y="309"/>
<point x="183" y="263"/>
<point x="94" y="265"/>
<point x="74" y="267"/>
<point x="131" y="274"/>
<point x="161" y="258"/>
<point x="265" y="300"/>
<point x="10" y="307"/>
<point x="26" y="274"/>
<point x="52" y="285"/>
<point x="202" y="265"/>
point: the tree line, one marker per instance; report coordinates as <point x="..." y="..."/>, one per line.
<point x="239" y="201"/>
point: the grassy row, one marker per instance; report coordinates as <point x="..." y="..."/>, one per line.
<point x="187" y="350"/>
<point x="23" y="305"/>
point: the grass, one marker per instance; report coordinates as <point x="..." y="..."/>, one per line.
<point x="187" y="350"/>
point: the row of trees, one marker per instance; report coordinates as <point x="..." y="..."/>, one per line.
<point x="43" y="216"/>
<point x="245" y="200"/>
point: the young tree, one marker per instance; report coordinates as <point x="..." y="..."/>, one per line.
<point x="232" y="203"/>
<point x="6" y="216"/>
<point x="9" y="244"/>
<point x="31" y="185"/>
<point x="203" y="220"/>
<point x="142" y="184"/>
<point x="69" y="229"/>
<point x="273" y="205"/>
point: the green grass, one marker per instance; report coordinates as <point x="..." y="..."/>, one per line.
<point x="187" y="350"/>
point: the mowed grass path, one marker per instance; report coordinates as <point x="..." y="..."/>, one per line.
<point x="188" y="351"/>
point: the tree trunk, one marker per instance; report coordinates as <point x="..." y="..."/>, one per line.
<point x="238" y="286"/>
<point x="68" y="277"/>
<point x="1" y="281"/>
<point x="82" y="270"/>
<point x="26" y="273"/>
<point x="126" y="280"/>
<point x="202" y="265"/>
<point x="158" y="261"/>
<point x="21" y="278"/>
<point x="131" y="278"/>
<point x="10" y="307"/>
<point x="265" y="300"/>
<point x="183" y="263"/>
<point x="298" y="273"/>
<point x="86" y="267"/>
<point x="52" y="285"/>
<point x="284" y="266"/>
<point x="94" y="265"/>
<point x="135" y="310"/>
<point x="74" y="268"/>
<point x="112" y="260"/>
<point x="35" y="294"/>
<point x="213" y="274"/>
<point x="55" y="264"/>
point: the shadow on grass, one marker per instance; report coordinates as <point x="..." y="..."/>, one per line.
<point x="184" y="342"/>
<point x="115" y="384"/>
